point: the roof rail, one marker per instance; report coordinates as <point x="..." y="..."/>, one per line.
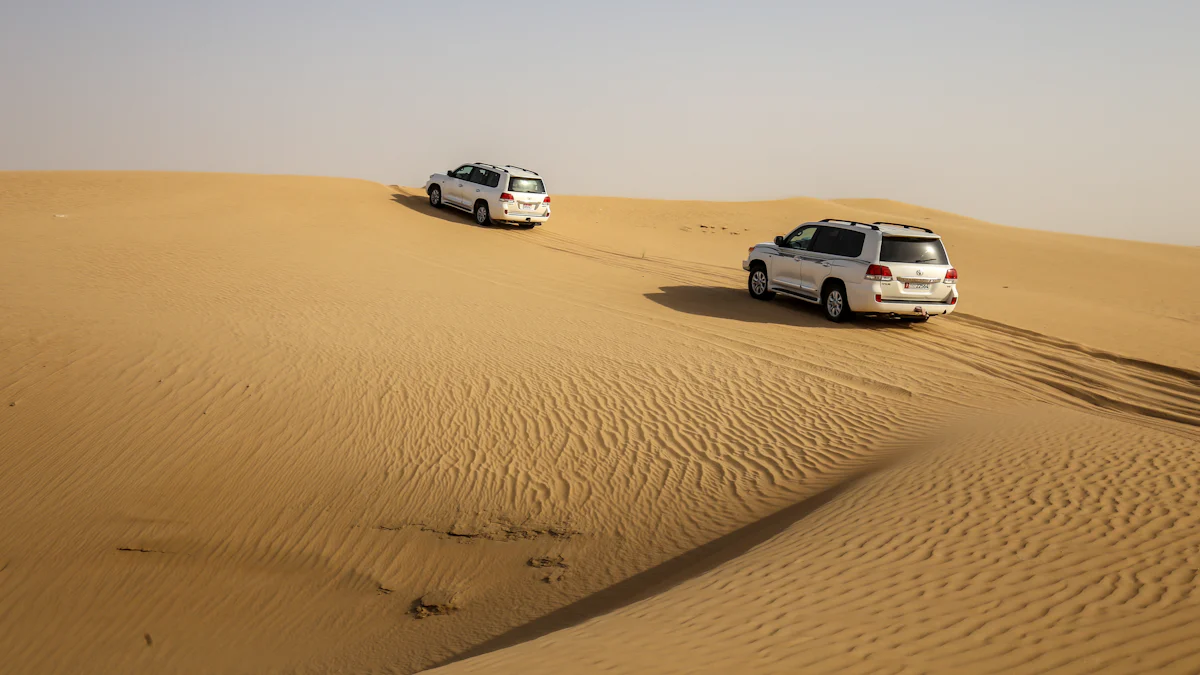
<point x="911" y="227"/>
<point x="513" y="166"/>
<point x="486" y="164"/>
<point x="848" y="222"/>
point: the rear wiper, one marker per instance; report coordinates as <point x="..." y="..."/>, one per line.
<point x="925" y="260"/>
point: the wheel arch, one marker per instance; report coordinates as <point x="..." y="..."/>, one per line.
<point x="832" y="282"/>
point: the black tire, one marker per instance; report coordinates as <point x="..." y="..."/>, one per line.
<point x="483" y="215"/>
<point x="834" y="302"/>
<point x="435" y="197"/>
<point x="758" y="283"/>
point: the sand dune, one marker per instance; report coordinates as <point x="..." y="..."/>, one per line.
<point x="261" y="424"/>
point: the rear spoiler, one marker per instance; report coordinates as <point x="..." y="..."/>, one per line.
<point x="911" y="227"/>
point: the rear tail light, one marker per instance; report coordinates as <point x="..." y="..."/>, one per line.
<point x="951" y="276"/>
<point x="954" y="300"/>
<point x="507" y="198"/>
<point x="546" y="200"/>
<point x="879" y="273"/>
<point x="878" y="298"/>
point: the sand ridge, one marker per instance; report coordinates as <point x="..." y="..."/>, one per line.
<point x="260" y="418"/>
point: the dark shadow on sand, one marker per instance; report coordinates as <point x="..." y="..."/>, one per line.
<point x="735" y="304"/>
<point x="668" y="574"/>
<point x="420" y="204"/>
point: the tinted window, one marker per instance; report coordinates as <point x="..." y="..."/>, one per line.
<point x="526" y="185"/>
<point x="479" y="176"/>
<point x="912" y="250"/>
<point x="464" y="172"/>
<point x="837" y="241"/>
<point x="493" y="179"/>
<point x="801" y="239"/>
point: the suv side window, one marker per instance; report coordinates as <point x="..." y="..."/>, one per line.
<point x="479" y="176"/>
<point x="838" y="241"/>
<point x="801" y="239"/>
<point x="464" y="172"/>
<point x="493" y="179"/>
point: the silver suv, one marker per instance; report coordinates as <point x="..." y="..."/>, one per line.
<point x="493" y="194"/>
<point x="848" y="267"/>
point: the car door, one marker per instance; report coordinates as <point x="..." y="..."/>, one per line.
<point x="822" y="255"/>
<point x="476" y="187"/>
<point x="460" y="180"/>
<point x="787" y="268"/>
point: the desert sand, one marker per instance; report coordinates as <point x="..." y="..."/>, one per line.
<point x="268" y="424"/>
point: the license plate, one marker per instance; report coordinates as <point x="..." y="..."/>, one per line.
<point x="528" y="207"/>
<point x="916" y="287"/>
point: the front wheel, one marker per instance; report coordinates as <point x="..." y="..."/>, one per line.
<point x="834" y="302"/>
<point x="482" y="215"/>
<point x="759" y="285"/>
<point x="435" y="197"/>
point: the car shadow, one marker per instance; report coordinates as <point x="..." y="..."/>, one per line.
<point x="420" y="204"/>
<point x="735" y="304"/>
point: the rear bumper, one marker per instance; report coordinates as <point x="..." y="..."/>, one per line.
<point x="864" y="302"/>
<point x="518" y="217"/>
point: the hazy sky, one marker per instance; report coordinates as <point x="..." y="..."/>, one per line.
<point x="1081" y="116"/>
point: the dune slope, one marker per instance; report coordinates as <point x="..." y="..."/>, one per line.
<point x="281" y="424"/>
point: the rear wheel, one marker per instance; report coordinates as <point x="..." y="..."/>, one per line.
<point x="435" y="197"/>
<point x="834" y="303"/>
<point x="759" y="284"/>
<point x="482" y="215"/>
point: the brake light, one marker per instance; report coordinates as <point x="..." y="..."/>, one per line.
<point x="954" y="300"/>
<point x="951" y="276"/>
<point x="507" y="198"/>
<point x="879" y="273"/>
<point x="878" y="298"/>
<point x="751" y="249"/>
<point x="546" y="200"/>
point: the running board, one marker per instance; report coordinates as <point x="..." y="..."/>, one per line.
<point x="798" y="296"/>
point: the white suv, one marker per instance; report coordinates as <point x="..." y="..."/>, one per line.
<point x="848" y="267"/>
<point x="495" y="194"/>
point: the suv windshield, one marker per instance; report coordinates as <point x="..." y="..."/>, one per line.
<point x="912" y="250"/>
<point x="526" y="185"/>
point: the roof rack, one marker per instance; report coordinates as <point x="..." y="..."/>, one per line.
<point x="848" y="222"/>
<point x="513" y="166"/>
<point x="911" y="227"/>
<point x="486" y="164"/>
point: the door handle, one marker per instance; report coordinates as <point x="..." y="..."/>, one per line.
<point x="477" y="190"/>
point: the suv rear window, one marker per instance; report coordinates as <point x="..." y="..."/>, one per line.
<point x="526" y="185"/>
<point x="912" y="250"/>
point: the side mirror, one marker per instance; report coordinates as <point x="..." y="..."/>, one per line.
<point x="779" y="241"/>
<point x="450" y="173"/>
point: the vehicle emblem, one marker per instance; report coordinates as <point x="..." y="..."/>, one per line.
<point x="919" y="273"/>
